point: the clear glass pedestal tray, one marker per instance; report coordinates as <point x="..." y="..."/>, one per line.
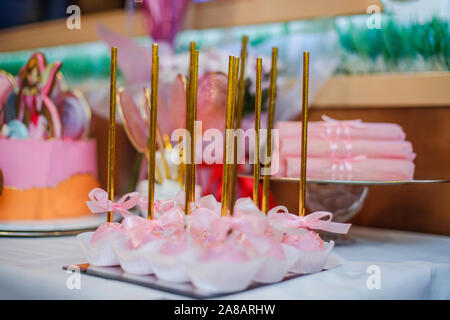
<point x="344" y="198"/>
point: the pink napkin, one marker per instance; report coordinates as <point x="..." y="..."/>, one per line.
<point x="357" y="168"/>
<point x="321" y="148"/>
<point x="354" y="129"/>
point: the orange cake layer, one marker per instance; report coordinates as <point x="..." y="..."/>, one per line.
<point x="66" y="200"/>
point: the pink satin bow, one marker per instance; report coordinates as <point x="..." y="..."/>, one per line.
<point x="141" y="231"/>
<point x="312" y="221"/>
<point x="99" y="202"/>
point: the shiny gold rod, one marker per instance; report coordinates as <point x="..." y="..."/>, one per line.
<point x="239" y="111"/>
<point x="302" y="196"/>
<point x="191" y="114"/>
<point x="152" y="132"/>
<point x="271" y="112"/>
<point x="233" y="138"/>
<point x="226" y="145"/>
<point x="185" y="153"/>
<point x="241" y="93"/>
<point x="112" y="129"/>
<point x="258" y="99"/>
<point x="193" y="102"/>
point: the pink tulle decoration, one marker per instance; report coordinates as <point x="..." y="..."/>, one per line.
<point x="105" y="230"/>
<point x="228" y="250"/>
<point x="309" y="241"/>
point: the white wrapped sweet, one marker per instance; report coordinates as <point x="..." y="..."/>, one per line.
<point x="167" y="262"/>
<point x="313" y="252"/>
<point x="223" y="267"/>
<point x="98" y="246"/>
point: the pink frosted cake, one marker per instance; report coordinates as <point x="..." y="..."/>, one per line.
<point x="46" y="179"/>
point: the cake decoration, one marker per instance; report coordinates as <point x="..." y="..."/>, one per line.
<point x="42" y="119"/>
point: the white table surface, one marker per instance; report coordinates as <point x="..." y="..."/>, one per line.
<point x="412" y="266"/>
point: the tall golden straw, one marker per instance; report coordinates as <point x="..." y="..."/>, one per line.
<point x="233" y="137"/>
<point x="226" y="145"/>
<point x="186" y="153"/>
<point x="193" y="102"/>
<point x="271" y="112"/>
<point x="258" y="99"/>
<point x="239" y="111"/>
<point x="302" y="196"/>
<point x="191" y="116"/>
<point x="112" y="129"/>
<point x="152" y="133"/>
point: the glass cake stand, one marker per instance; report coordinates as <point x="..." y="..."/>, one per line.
<point x="344" y="198"/>
<point x="52" y="228"/>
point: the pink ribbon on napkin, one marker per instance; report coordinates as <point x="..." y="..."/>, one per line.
<point x="341" y="168"/>
<point x="99" y="202"/>
<point x="312" y="221"/>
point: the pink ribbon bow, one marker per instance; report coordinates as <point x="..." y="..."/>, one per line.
<point x="312" y="221"/>
<point x="341" y="168"/>
<point x="99" y="202"/>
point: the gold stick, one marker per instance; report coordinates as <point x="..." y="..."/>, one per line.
<point x="187" y="171"/>
<point x="268" y="153"/>
<point x="233" y="142"/>
<point x="152" y="132"/>
<point x="239" y="111"/>
<point x="112" y="129"/>
<point x="226" y="145"/>
<point x="302" y="196"/>
<point x="191" y="114"/>
<point x="258" y="99"/>
<point x="193" y="101"/>
<point x="241" y="94"/>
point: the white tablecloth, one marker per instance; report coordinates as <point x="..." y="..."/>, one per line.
<point x="410" y="265"/>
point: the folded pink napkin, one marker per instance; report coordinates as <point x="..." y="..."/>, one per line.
<point x="351" y="129"/>
<point x="357" y="168"/>
<point x="321" y="148"/>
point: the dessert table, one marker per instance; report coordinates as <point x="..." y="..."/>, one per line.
<point x="408" y="266"/>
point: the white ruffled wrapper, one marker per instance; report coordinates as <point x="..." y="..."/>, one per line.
<point x="168" y="267"/>
<point x="273" y="269"/>
<point x="101" y="253"/>
<point x="312" y="261"/>
<point x="133" y="260"/>
<point x="220" y="275"/>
